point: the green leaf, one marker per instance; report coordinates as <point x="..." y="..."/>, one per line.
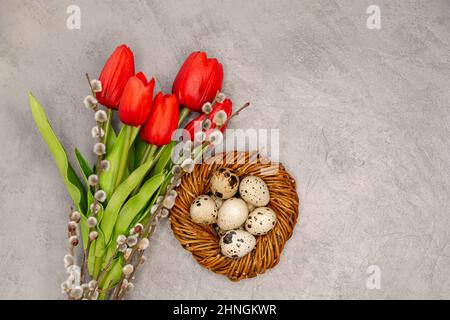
<point x="165" y="159"/>
<point x="112" y="277"/>
<point x="139" y="149"/>
<point x="130" y="160"/>
<point x="115" y="204"/>
<point x="108" y="178"/>
<point x="72" y="182"/>
<point x="137" y="203"/>
<point x="91" y="258"/>
<point x="143" y="217"/>
<point x="111" y="136"/>
<point x="86" y="172"/>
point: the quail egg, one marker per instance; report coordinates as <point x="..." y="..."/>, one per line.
<point x="224" y="183"/>
<point x="232" y="214"/>
<point x="237" y="243"/>
<point x="254" y="190"/>
<point x="203" y="210"/>
<point x="260" y="221"/>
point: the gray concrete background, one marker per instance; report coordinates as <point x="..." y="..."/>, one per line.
<point x="364" y="120"/>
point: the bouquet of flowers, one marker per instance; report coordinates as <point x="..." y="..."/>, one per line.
<point x="130" y="187"/>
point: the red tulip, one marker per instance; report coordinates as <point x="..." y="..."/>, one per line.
<point x="136" y="101"/>
<point x="114" y="76"/>
<point x="163" y="120"/>
<point x="198" y="81"/>
<point x="196" y="125"/>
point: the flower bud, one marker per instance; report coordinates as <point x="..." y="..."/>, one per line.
<point x="96" y="133"/>
<point x="188" y="165"/>
<point x="93" y="235"/>
<point x="72" y="226"/>
<point x="143" y="244"/>
<point x="121" y="239"/>
<point x="207" y="107"/>
<point x="159" y="199"/>
<point x="91" y="222"/>
<point x="76" y="292"/>
<point x="216" y="137"/>
<point x="100" y="195"/>
<point x="96" y="85"/>
<point x="131" y="241"/>
<point x="154" y="208"/>
<point x="206" y="125"/>
<point x="220" y="97"/>
<point x="75" y="216"/>
<point x="99" y="149"/>
<point x="127" y="253"/>
<point x="176" y="170"/>
<point x="169" y="202"/>
<point x="104" y="165"/>
<point x="93" y="180"/>
<point x="100" y="116"/>
<point x="68" y="260"/>
<point x="220" y="118"/>
<point x="92" y="284"/>
<point x="95" y="207"/>
<point x="90" y="102"/>
<point x="122" y="247"/>
<point x="164" y="213"/>
<point x="138" y="228"/>
<point x="128" y="270"/>
<point x="73" y="241"/>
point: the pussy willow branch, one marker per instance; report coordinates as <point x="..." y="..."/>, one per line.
<point x="98" y="170"/>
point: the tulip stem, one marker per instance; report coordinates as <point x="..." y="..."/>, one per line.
<point x="184" y="113"/>
<point x="107" y="128"/>
<point x="149" y="152"/>
<point x="124" y="155"/>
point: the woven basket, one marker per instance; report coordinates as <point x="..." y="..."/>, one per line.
<point x="203" y="242"/>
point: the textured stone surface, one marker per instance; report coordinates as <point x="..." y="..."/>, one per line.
<point x="364" y="120"/>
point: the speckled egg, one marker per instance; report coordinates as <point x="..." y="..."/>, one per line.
<point x="254" y="190"/>
<point x="224" y="183"/>
<point x="232" y="214"/>
<point x="237" y="243"/>
<point x="260" y="221"/>
<point x="203" y="210"/>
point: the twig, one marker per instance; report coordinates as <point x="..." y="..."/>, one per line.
<point x="98" y="170"/>
<point x="247" y="104"/>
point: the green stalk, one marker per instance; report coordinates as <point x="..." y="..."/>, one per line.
<point x="149" y="155"/>
<point x="149" y="152"/>
<point x="184" y="113"/>
<point x="124" y="155"/>
<point x="107" y="127"/>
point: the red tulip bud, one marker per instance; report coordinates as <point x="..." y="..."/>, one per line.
<point x="198" y="81"/>
<point x="136" y="101"/>
<point x="163" y="120"/>
<point x="114" y="76"/>
<point x="196" y="125"/>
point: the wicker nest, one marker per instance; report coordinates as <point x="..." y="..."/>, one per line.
<point x="203" y="242"/>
